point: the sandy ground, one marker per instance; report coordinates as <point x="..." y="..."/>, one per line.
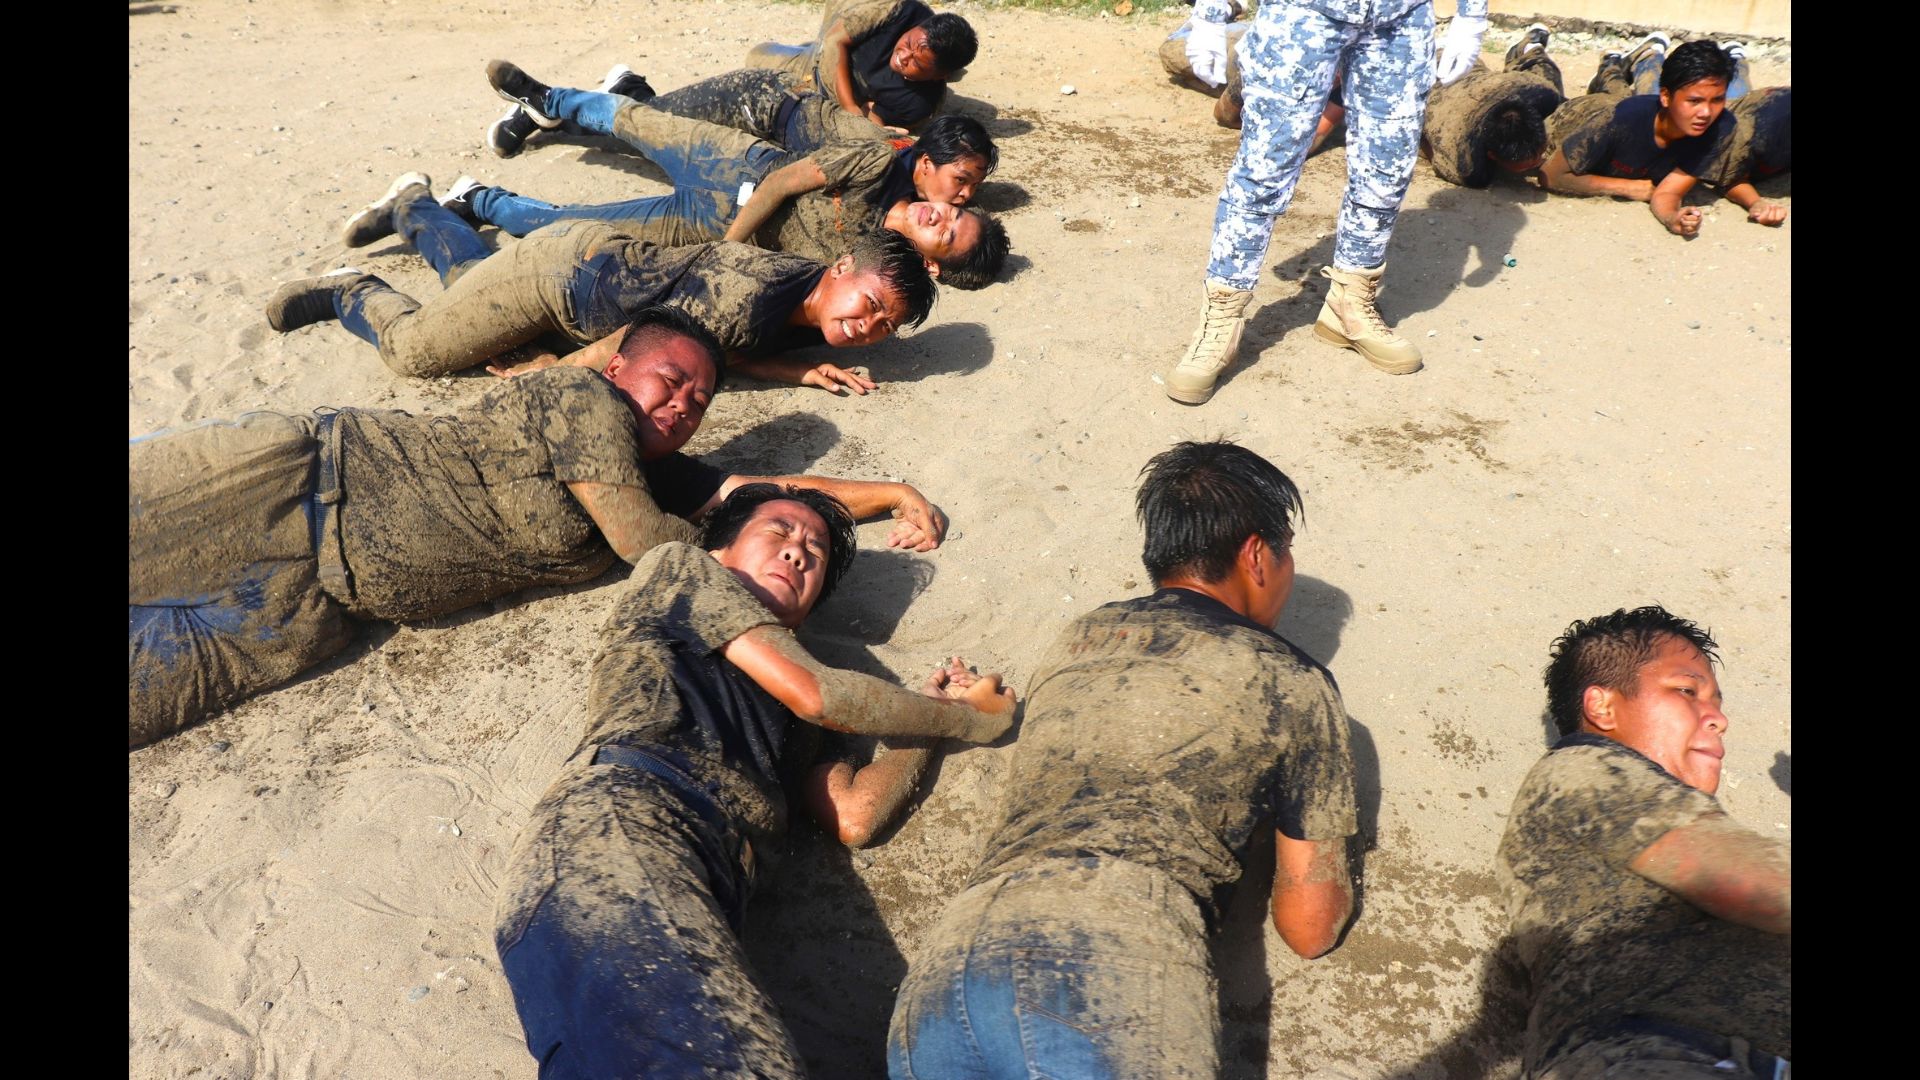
<point x="311" y="877"/>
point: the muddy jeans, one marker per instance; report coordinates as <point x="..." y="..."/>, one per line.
<point x="1091" y="969"/>
<point x="507" y="299"/>
<point x="617" y="931"/>
<point x="767" y="105"/>
<point x="1652" y="1056"/>
<point x="706" y="163"/>
<point x="223" y="584"/>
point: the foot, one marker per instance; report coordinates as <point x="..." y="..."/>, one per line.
<point x="1214" y="346"/>
<point x="621" y="80"/>
<point x="509" y="133"/>
<point x="376" y="220"/>
<point x="457" y="197"/>
<point x="1351" y="320"/>
<point x="1656" y="43"/>
<point x="1735" y="50"/>
<point x="303" y="303"/>
<point x="523" y="90"/>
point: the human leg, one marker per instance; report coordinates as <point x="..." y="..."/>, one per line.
<point x="747" y="100"/>
<point x="1742" y="82"/>
<point x="1645" y="61"/>
<point x="442" y="237"/>
<point x="1389" y="73"/>
<point x="617" y="932"/>
<point x="508" y="299"/>
<point x="1612" y="76"/>
<point x="223" y="592"/>
<point x="1286" y="64"/>
<point x="1529" y="54"/>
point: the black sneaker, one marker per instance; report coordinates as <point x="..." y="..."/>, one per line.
<point x="509" y="133"/>
<point x="303" y="303"/>
<point x="376" y="220"/>
<point x="621" y="80"/>
<point x="458" y="197"/>
<point x="523" y="90"/>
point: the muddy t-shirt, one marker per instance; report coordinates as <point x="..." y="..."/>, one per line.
<point x="1762" y="142"/>
<point x="439" y="512"/>
<point x="1601" y="942"/>
<point x="1619" y="141"/>
<point x="1163" y="730"/>
<point x="743" y="294"/>
<point x="822" y="224"/>
<point x="660" y="684"/>
<point x="874" y="27"/>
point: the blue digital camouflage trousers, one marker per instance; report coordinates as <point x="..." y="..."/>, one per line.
<point x="1287" y="61"/>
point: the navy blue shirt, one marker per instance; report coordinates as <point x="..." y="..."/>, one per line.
<point x="1622" y="145"/>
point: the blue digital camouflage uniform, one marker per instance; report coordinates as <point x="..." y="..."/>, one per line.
<point x="1287" y="61"/>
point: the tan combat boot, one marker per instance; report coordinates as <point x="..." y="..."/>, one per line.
<point x="1213" y="346"/>
<point x="1350" y="320"/>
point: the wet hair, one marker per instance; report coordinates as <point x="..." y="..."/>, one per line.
<point x="900" y="267"/>
<point x="724" y="522"/>
<point x="952" y="40"/>
<point x="654" y="324"/>
<point x="1609" y="651"/>
<point x="1692" y="62"/>
<point x="1515" y="133"/>
<point x="1201" y="500"/>
<point x="978" y="268"/>
<point x="952" y="137"/>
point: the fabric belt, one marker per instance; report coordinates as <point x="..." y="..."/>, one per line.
<point x="784" y="116"/>
<point x="734" y="845"/>
<point x="323" y="513"/>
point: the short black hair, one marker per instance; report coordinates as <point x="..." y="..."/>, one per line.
<point x="724" y="522"/>
<point x="952" y="137"/>
<point x="1515" y="133"/>
<point x="1201" y="500"/>
<point x="952" y="40"/>
<point x="978" y="268"/>
<point x="900" y="266"/>
<point x="657" y="321"/>
<point x="1609" y="651"/>
<point x="1692" y="62"/>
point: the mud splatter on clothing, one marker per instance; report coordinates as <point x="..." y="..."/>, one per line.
<point x="1762" y="142"/>
<point x="1603" y="944"/>
<point x="618" y="919"/>
<point x="1607" y="135"/>
<point x="873" y="26"/>
<point x="1457" y="113"/>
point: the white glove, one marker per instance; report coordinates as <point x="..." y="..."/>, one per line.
<point x="1459" y="48"/>
<point x="1207" y="40"/>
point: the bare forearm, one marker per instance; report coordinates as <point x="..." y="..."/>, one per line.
<point x="778" y="369"/>
<point x="854" y="804"/>
<point x="1744" y="195"/>
<point x="1726" y="870"/>
<point x="1570" y="183"/>
<point x="851" y="702"/>
<point x="840" y="49"/>
<point x="865" y="498"/>
<point x="774" y="189"/>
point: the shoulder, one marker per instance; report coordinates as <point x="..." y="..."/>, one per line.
<point x="689" y="596"/>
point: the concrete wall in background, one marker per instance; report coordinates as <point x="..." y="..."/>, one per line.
<point x="1761" y="18"/>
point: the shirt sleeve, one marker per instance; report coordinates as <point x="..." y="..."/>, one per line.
<point x="1590" y="146"/>
<point x="862" y="17"/>
<point x="1695" y="152"/>
<point x="1616" y="803"/>
<point x="682" y="484"/>
<point x="1313" y="798"/>
<point x="853" y="163"/>
<point x="683" y="593"/>
<point x="590" y="433"/>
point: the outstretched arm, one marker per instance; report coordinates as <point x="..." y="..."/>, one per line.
<point x="848" y="701"/>
<point x="1724" y="869"/>
<point x="1760" y="211"/>
<point x="921" y="525"/>
<point x="629" y="518"/>
<point x="596" y="356"/>
<point x="784" y="369"/>
<point x="1312" y="893"/>
<point x="854" y="804"/>
<point x="780" y="185"/>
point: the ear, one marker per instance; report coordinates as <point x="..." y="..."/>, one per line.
<point x="614" y="367"/>
<point x="843" y="265"/>
<point x="1253" y="560"/>
<point x="933" y="268"/>
<point x="1666" y="99"/>
<point x="1596" y="706"/>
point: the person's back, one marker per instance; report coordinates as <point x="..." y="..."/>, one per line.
<point x="1162" y="733"/>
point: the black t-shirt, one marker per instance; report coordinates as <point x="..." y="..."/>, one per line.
<point x="741" y="293"/>
<point x="1621" y="144"/>
<point x="900" y="101"/>
<point x="662" y="684"/>
<point x="1772" y="116"/>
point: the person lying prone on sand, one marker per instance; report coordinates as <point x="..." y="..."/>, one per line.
<point x="582" y="280"/>
<point x="618" y="919"/>
<point x="256" y="546"/>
